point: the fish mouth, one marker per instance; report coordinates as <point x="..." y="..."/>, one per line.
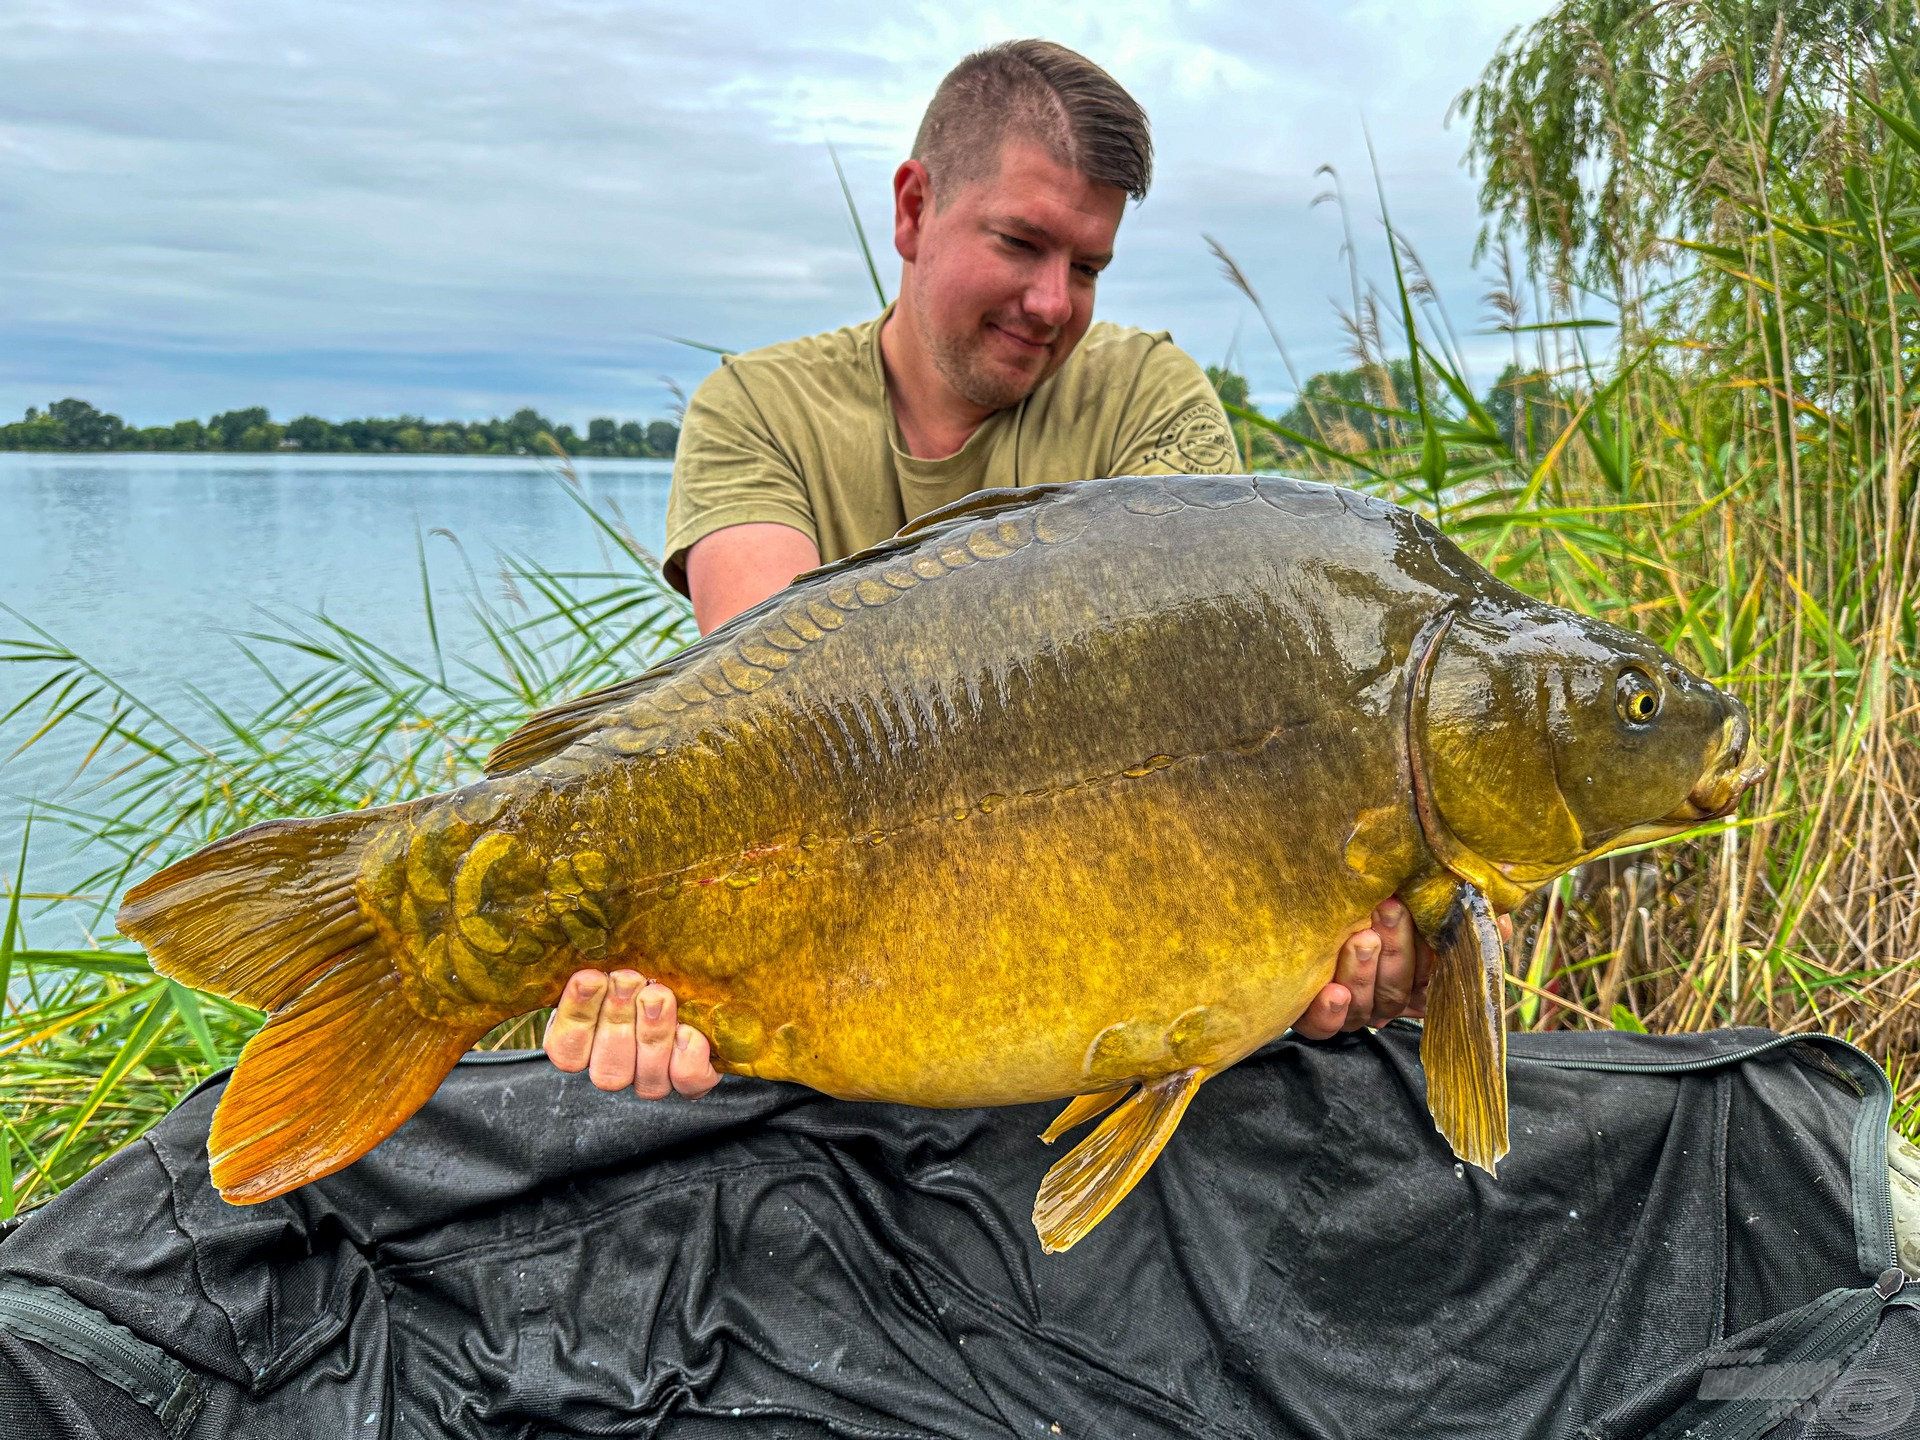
<point x="1717" y="793"/>
<point x="1718" y="796"/>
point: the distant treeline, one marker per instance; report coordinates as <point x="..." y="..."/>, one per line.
<point x="1350" y="411"/>
<point x="76" y="425"/>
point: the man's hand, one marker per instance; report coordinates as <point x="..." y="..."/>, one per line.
<point x="1381" y="973"/>
<point x="626" y="1033"/>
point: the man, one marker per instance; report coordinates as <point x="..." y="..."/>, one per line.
<point x="987" y="371"/>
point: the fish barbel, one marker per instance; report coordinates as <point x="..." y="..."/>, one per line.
<point x="1065" y="792"/>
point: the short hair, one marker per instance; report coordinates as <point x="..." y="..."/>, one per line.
<point x="1039" y="91"/>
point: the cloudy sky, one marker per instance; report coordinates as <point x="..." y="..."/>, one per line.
<point x="460" y="208"/>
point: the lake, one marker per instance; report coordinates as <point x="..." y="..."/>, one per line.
<point x="147" y="565"/>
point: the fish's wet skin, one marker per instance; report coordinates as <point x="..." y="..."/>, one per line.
<point x="1134" y="756"/>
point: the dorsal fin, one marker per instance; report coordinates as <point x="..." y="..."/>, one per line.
<point x="969" y="506"/>
<point x="550" y="731"/>
<point x="547" y="732"/>
<point x="983" y="502"/>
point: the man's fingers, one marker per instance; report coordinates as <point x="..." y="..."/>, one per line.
<point x="1327" y="1013"/>
<point x="569" y="1038"/>
<point x="613" y="1043"/>
<point x="692" y="1070"/>
<point x="653" y="1036"/>
<point x="1356" y="969"/>
<point x="1394" y="976"/>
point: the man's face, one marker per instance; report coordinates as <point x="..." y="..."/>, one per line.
<point x="1003" y="270"/>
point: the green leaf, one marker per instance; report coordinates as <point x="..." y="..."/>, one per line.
<point x="1305" y="442"/>
<point x="10" y="1197"/>
<point x="1548" y="327"/>
<point x="721" y="350"/>
<point x="859" y="230"/>
<point x="1433" y="454"/>
<point x="1899" y="124"/>
<point x="10" y="934"/>
<point x="146" y="1032"/>
<point x="187" y="1006"/>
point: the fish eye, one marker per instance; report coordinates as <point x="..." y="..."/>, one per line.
<point x="1635" y="696"/>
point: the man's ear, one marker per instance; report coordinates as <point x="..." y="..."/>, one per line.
<point x="912" y="205"/>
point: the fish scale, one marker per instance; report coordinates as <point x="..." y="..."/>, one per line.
<point x="1068" y="792"/>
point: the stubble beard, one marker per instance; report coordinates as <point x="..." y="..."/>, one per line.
<point x="964" y="366"/>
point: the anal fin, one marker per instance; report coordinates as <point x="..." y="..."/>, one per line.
<point x="1094" y="1176"/>
<point x="1081" y="1109"/>
<point x="1464" y="1047"/>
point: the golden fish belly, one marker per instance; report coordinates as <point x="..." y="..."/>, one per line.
<point x="1013" y="951"/>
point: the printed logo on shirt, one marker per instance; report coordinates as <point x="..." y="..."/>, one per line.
<point x="1195" y="439"/>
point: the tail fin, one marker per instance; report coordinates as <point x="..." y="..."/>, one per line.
<point x="270" y="917"/>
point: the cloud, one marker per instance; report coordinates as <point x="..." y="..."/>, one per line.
<point x="459" y="208"/>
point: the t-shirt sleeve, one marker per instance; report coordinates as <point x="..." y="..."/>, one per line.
<point x="728" y="469"/>
<point x="1173" y="423"/>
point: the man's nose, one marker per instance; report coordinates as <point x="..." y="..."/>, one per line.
<point x="1048" y="300"/>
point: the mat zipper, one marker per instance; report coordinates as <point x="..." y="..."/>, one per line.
<point x="147" y="1374"/>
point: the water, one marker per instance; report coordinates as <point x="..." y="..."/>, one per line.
<point x="147" y="565"/>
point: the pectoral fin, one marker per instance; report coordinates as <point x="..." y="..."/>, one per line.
<point x="1464" y="1048"/>
<point x="1081" y="1109"/>
<point x="1094" y="1176"/>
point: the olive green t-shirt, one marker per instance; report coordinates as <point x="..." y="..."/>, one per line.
<point x="802" y="433"/>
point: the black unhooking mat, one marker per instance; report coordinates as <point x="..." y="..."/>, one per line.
<point x="1691" y="1236"/>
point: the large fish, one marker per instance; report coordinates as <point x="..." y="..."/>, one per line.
<point x="1067" y="791"/>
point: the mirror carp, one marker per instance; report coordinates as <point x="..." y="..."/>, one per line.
<point x="1065" y="792"/>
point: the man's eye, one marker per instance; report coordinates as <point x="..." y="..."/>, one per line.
<point x="1016" y="242"/>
